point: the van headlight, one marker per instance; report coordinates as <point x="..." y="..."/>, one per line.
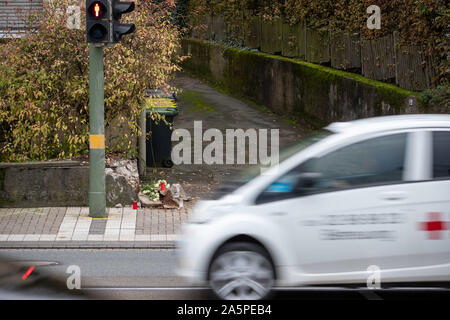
<point x="205" y="212"/>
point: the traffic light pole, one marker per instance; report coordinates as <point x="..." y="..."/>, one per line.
<point x="97" y="193"/>
<point x="103" y="27"/>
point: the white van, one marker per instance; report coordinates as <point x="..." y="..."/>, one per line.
<point x="359" y="196"/>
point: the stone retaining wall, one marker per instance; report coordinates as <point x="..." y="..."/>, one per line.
<point x="63" y="183"/>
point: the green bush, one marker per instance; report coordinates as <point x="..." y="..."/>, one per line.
<point x="438" y="98"/>
<point x="44" y="82"/>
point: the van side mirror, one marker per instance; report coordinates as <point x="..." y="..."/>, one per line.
<point x="308" y="176"/>
<point x="307" y="180"/>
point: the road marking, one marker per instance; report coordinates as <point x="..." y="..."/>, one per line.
<point x="68" y="224"/>
<point x="82" y="226"/>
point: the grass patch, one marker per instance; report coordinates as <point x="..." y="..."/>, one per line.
<point x="197" y="101"/>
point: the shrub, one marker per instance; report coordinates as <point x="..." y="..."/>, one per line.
<point x="438" y="99"/>
<point x="44" y="82"/>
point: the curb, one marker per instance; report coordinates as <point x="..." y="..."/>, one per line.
<point x="87" y="245"/>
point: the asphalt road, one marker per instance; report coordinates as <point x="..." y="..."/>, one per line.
<point x="151" y="275"/>
<point x="113" y="274"/>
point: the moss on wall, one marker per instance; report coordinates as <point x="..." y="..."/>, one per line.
<point x="296" y="88"/>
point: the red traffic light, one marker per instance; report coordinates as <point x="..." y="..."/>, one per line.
<point x="103" y="20"/>
<point x="97" y="10"/>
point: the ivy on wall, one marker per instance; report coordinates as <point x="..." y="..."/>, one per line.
<point x="424" y="23"/>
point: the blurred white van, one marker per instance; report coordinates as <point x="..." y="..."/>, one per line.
<point x="372" y="192"/>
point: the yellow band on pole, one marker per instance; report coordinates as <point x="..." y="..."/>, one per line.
<point x="97" y="141"/>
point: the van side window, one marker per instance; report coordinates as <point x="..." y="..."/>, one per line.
<point x="371" y="162"/>
<point x="441" y="154"/>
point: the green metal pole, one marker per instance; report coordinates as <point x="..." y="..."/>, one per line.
<point x="97" y="194"/>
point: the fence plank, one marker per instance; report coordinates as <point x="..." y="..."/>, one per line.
<point x="289" y="46"/>
<point x="252" y="31"/>
<point x="218" y="28"/>
<point x="301" y="38"/>
<point x="195" y="22"/>
<point x="207" y="31"/>
<point x="345" y="50"/>
<point x="378" y="58"/>
<point x="271" y="36"/>
<point x="317" y="46"/>
<point x="235" y="28"/>
<point x="413" y="68"/>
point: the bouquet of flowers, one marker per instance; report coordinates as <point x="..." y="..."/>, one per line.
<point x="152" y="190"/>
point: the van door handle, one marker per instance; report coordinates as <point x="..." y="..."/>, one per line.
<point x="394" y="195"/>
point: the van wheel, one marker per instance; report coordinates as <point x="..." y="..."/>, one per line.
<point x="241" y="271"/>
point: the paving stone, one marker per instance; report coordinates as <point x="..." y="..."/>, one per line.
<point x="32" y="237"/>
<point x="97" y="227"/>
<point x="46" y="237"/>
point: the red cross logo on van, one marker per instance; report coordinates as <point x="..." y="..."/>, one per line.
<point x="434" y="225"/>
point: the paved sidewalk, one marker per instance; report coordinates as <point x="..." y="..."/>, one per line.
<point x="71" y="227"/>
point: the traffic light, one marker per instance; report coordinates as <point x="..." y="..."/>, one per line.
<point x="120" y="29"/>
<point x="103" y="20"/>
<point x="98" y="21"/>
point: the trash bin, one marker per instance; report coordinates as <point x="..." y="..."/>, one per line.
<point x="161" y="110"/>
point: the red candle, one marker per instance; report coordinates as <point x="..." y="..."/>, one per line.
<point x="135" y="205"/>
<point x="163" y="186"/>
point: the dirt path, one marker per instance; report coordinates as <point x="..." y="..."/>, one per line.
<point x="199" y="101"/>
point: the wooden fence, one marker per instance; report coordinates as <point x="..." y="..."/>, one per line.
<point x="381" y="59"/>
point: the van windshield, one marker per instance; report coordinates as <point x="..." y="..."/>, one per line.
<point x="299" y="145"/>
